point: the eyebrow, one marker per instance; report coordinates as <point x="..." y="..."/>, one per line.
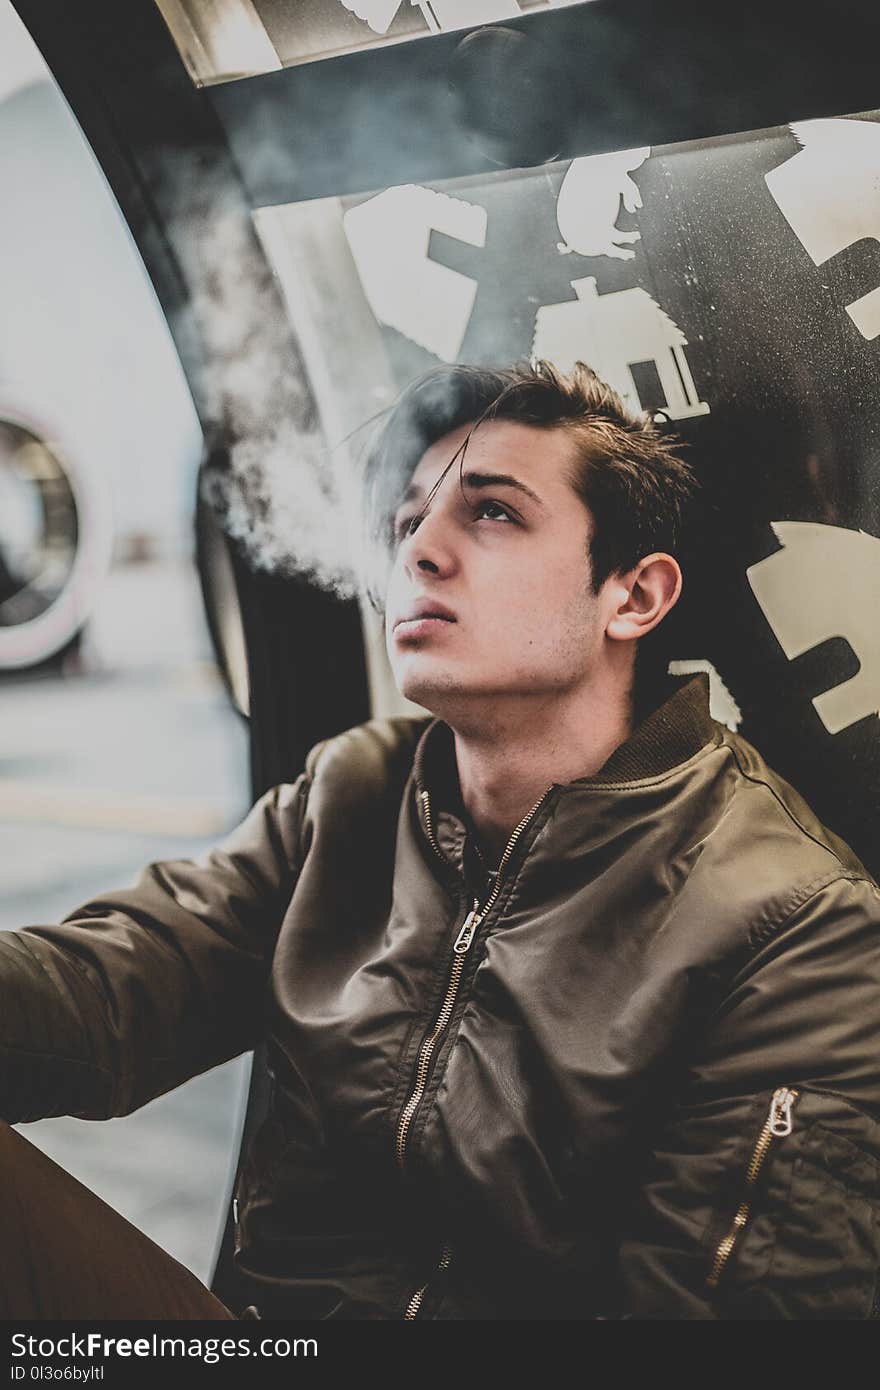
<point x="478" y="480"/>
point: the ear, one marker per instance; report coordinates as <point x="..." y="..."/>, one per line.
<point x="640" y="598"/>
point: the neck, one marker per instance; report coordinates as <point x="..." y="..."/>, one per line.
<point x="510" y="756"/>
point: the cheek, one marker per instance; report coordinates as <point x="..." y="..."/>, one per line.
<point x="559" y="614"/>
<point x="546" y="593"/>
<point x="390" y="608"/>
<point x="393" y="576"/>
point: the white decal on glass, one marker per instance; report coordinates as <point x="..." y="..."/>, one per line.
<point x="722" y="705"/>
<point x="825" y="583"/>
<point x="390" y="236"/>
<point x="829" y="193"/>
<point x="461" y="14"/>
<point x="589" y="202"/>
<point x="438" y="14"/>
<point x="613" y="332"/>
<point x="377" y="13"/>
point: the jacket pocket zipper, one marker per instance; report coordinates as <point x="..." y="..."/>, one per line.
<point x="778" y="1125"/>
<point x="415" y="1302"/>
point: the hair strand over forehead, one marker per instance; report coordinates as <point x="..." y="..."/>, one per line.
<point x="626" y="469"/>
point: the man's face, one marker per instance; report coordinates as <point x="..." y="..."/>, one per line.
<point x="504" y="566"/>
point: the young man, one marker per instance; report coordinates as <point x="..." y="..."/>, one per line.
<point x="571" y="1002"/>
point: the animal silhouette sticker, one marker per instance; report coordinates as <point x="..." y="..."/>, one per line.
<point x="825" y="582"/>
<point x="613" y="332"/>
<point x="377" y="13"/>
<point x="829" y="194"/>
<point x="438" y="14"/>
<point x="589" y="203"/>
<point x="389" y="237"/>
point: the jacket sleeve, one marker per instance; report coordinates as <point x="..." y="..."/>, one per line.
<point x="760" y="1198"/>
<point x="141" y="989"/>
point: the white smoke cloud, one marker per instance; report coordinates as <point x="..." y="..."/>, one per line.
<point x="291" y="503"/>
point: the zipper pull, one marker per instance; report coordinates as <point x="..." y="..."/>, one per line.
<point x="779" y="1119"/>
<point x="468" y="927"/>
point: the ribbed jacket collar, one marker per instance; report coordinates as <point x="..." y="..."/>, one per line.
<point x="675" y="730"/>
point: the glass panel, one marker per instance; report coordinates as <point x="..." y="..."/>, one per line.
<point x="731" y="284"/>
<point x="224" y="39"/>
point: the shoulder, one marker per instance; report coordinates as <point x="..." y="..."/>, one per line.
<point x="757" y="855"/>
<point x="369" y="762"/>
<point x="776" y="809"/>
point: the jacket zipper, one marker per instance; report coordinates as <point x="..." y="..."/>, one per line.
<point x="778" y="1125"/>
<point x="415" y="1302"/>
<point x="460" y="948"/>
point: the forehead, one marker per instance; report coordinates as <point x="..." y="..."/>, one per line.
<point x="544" y="459"/>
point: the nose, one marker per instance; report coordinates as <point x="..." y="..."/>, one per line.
<point x="429" y="548"/>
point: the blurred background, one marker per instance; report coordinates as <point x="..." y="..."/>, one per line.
<point x="118" y="742"/>
<point x="232" y="231"/>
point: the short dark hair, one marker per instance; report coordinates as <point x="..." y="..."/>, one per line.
<point x="628" y="470"/>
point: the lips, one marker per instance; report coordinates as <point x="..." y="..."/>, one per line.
<point x="423" y="610"/>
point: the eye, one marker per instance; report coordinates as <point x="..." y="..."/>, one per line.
<point x="404" y="526"/>
<point x="488" y="505"/>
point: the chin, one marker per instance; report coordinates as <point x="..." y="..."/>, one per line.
<point x="432" y="689"/>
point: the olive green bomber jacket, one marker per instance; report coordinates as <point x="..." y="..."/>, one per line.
<point x="640" y="1078"/>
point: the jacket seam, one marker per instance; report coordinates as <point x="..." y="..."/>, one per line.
<point x="778" y="1216"/>
<point x="78" y="969"/>
<point x="820" y="1127"/>
<point x="314" y="757"/>
<point x="89" y="1063"/>
<point x="761" y="934"/>
<point x="293" y="866"/>
<point x="810" y="1088"/>
<point x="786" y="810"/>
<point x="796" y="1168"/>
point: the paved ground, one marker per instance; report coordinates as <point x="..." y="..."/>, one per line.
<point x="141" y="758"/>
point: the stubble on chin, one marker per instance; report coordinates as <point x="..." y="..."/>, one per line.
<point x="440" y="692"/>
<point x="427" y="690"/>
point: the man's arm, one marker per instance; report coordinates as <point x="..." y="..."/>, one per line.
<point x="761" y="1198"/>
<point x="137" y="991"/>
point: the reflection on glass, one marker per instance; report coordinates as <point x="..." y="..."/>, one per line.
<point x="220" y="40"/>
